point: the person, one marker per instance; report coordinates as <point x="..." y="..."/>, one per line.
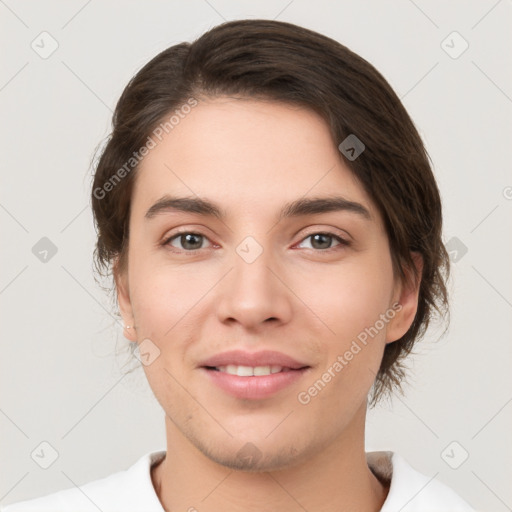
<point x="272" y="224"/>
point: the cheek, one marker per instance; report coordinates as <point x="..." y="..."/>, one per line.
<point x="163" y="300"/>
<point x="163" y="295"/>
<point x="352" y="307"/>
<point x="353" y="299"/>
<point x="167" y="304"/>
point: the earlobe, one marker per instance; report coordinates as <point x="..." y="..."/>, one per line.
<point x="408" y="299"/>
<point x="123" y="299"/>
<point x="130" y="335"/>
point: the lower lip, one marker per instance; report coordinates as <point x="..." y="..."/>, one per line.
<point x="255" y="387"/>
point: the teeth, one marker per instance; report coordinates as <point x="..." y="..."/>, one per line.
<point x="249" y="371"/>
<point x="261" y="370"/>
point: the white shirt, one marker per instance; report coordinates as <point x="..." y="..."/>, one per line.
<point x="132" y="490"/>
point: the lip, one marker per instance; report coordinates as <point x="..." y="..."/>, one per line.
<point x="262" y="358"/>
<point x="256" y="387"/>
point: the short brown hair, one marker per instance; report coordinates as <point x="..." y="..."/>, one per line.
<point x="280" y="61"/>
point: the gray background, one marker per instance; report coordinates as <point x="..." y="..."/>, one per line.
<point x="62" y="354"/>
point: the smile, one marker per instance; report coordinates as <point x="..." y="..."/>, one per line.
<point x="250" y="371"/>
<point x="253" y="375"/>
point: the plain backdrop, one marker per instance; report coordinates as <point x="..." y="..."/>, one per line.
<point x="62" y="353"/>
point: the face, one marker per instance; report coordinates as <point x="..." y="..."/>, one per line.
<point x="264" y="316"/>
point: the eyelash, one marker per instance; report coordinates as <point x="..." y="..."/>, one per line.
<point x="342" y="242"/>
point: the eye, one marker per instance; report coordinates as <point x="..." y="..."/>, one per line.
<point x="322" y="241"/>
<point x="189" y="241"/>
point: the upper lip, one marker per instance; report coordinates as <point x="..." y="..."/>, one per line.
<point x="262" y="358"/>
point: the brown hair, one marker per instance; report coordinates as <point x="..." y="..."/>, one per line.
<point x="280" y="61"/>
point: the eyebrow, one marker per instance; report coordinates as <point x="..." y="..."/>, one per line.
<point x="300" y="207"/>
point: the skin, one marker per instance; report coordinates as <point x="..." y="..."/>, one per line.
<point x="251" y="157"/>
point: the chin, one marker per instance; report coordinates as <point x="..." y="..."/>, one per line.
<point x="256" y="456"/>
<point x="251" y="459"/>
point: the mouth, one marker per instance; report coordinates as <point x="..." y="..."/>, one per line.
<point x="252" y="371"/>
<point x="253" y="376"/>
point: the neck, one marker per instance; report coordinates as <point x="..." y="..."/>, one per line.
<point x="335" y="479"/>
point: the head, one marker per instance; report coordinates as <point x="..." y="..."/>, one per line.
<point x="233" y="214"/>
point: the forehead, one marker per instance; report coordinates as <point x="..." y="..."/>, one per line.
<point x="252" y="154"/>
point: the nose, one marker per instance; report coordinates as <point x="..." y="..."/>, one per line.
<point x="254" y="294"/>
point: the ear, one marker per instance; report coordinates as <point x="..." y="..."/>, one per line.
<point x="406" y="295"/>
<point x="123" y="299"/>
